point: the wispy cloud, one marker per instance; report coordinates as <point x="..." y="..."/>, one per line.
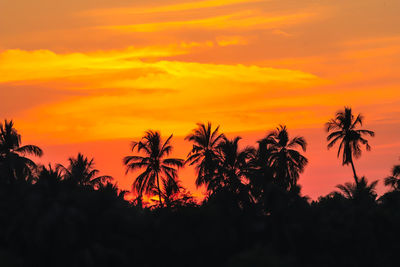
<point x="168" y="8"/>
<point x="109" y="68"/>
<point x="238" y="21"/>
<point x="22" y="65"/>
<point x="139" y="94"/>
<point x="231" y="40"/>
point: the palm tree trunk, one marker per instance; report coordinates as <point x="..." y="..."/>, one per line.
<point x="159" y="190"/>
<point x="354" y="171"/>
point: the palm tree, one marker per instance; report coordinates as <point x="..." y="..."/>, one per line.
<point x="81" y="172"/>
<point x="204" y="152"/>
<point x="154" y="162"/>
<point x="112" y="190"/>
<point x="49" y="176"/>
<point x="233" y="166"/>
<point x="359" y="191"/>
<point x="13" y="162"/>
<point x="394" y="180"/>
<point x="170" y="190"/>
<point x="343" y="128"/>
<point x="173" y="193"/>
<point x="260" y="172"/>
<point x="233" y="169"/>
<point x="286" y="162"/>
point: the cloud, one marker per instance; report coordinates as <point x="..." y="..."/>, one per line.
<point x="243" y="20"/>
<point x="126" y="95"/>
<point x="22" y="65"/>
<point x="231" y="40"/>
<point x="167" y="8"/>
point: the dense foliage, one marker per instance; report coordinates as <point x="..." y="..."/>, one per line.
<point x="253" y="214"/>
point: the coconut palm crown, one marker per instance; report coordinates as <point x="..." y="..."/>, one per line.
<point x="344" y="128"/>
<point x="154" y="162"/>
<point x="204" y="153"/>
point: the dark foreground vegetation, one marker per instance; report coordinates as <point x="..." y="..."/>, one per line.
<point x="253" y="214"/>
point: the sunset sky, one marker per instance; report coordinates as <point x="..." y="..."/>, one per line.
<point x="91" y="75"/>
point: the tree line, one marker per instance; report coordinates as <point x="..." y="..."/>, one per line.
<point x="253" y="213"/>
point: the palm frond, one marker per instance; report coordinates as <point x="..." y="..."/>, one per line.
<point x="30" y="149"/>
<point x="101" y="180"/>
<point x="396" y="171"/>
<point x="174" y="162"/>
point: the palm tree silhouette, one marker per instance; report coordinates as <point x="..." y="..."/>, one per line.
<point x="112" y="190"/>
<point x="359" y="191"/>
<point x="156" y="166"/>
<point x="286" y="162"/>
<point x="204" y="152"/>
<point x="173" y="193"/>
<point x="13" y="162"/>
<point x="234" y="172"/>
<point x="343" y="128"/>
<point x="49" y="176"/>
<point x="260" y="172"/>
<point x="394" y="179"/>
<point x="233" y="168"/>
<point x="81" y="171"/>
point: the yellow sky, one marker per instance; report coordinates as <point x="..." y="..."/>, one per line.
<point x="83" y="71"/>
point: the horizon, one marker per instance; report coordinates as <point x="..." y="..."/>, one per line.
<point x="110" y="162"/>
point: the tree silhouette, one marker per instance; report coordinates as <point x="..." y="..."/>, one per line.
<point x="81" y="172"/>
<point x="154" y="162"/>
<point x="253" y="215"/>
<point x="287" y="162"/>
<point x="343" y="128"/>
<point x="13" y="163"/>
<point x="49" y="177"/>
<point x="112" y="190"/>
<point x="263" y="186"/>
<point x="394" y="179"/>
<point x="204" y="152"/>
<point x="173" y="193"/>
<point x="232" y="169"/>
<point x="360" y="191"/>
<point x="261" y="174"/>
<point x="169" y="191"/>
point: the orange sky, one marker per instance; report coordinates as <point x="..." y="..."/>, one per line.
<point x="91" y="75"/>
